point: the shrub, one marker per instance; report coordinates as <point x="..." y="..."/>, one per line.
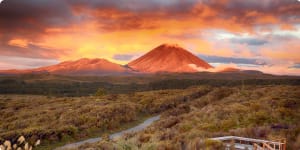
<point x="212" y="144"/>
<point x="144" y="138"/>
<point x="100" y="92"/>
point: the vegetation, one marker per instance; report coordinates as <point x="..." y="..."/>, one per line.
<point x="193" y="108"/>
<point x="63" y="119"/>
<point x="54" y="85"/>
<point x="264" y="112"/>
<point x="100" y="92"/>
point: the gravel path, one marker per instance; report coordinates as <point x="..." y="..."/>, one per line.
<point x="137" y="128"/>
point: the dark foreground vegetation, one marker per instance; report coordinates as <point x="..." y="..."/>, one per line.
<point x="264" y="112"/>
<point x="55" y="85"/>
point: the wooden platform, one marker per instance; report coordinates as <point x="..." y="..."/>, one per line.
<point x="242" y="143"/>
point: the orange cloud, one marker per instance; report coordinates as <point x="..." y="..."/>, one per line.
<point x="18" y="42"/>
<point x="76" y="29"/>
<point x="282" y="54"/>
<point x="267" y="19"/>
<point x="288" y="27"/>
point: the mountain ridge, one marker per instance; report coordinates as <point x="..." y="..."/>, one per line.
<point x="165" y="58"/>
<point x="83" y="66"/>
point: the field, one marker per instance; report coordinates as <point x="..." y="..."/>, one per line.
<point x="63" y="119"/>
<point x="60" y="110"/>
<point x="264" y="112"/>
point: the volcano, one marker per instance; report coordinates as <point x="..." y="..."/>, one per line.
<point x="169" y="58"/>
<point x="84" y="66"/>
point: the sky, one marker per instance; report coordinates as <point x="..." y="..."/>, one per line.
<point x="249" y="34"/>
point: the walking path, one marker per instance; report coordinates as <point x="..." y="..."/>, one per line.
<point x="137" y="128"/>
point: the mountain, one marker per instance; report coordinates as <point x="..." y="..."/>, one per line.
<point x="82" y="66"/>
<point x="16" y="72"/>
<point x="166" y="58"/>
<point x="230" y="69"/>
<point x="169" y="58"/>
<point x="86" y="66"/>
<point x="237" y="70"/>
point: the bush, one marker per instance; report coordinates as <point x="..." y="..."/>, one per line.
<point x="100" y="92"/>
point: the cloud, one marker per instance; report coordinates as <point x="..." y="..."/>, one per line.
<point x="217" y="68"/>
<point x="124" y="57"/>
<point x="279" y="69"/>
<point x="8" y="62"/>
<point x="283" y="69"/>
<point x="71" y="29"/>
<point x="33" y="16"/>
<point x="28" y="50"/>
<point x="29" y="18"/>
<point x="23" y="25"/>
<point x="18" y="42"/>
<point x="249" y="41"/>
<point x="229" y="60"/>
<point x="287" y="50"/>
<point x="296" y="66"/>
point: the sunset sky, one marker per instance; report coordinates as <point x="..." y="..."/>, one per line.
<point x="250" y="34"/>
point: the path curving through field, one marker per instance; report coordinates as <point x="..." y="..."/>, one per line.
<point x="137" y="128"/>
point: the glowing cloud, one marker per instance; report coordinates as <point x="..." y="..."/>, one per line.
<point x="69" y="30"/>
<point x="18" y="42"/>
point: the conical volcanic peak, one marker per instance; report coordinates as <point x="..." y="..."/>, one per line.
<point x="169" y="58"/>
<point x="170" y="45"/>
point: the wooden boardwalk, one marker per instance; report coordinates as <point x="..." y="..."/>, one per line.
<point x="242" y="143"/>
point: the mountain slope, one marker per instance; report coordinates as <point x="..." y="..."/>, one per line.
<point x="82" y="66"/>
<point x="168" y="58"/>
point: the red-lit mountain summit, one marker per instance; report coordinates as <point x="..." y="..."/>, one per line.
<point x="168" y="58"/>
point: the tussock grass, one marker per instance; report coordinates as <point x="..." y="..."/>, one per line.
<point x="63" y="119"/>
<point x="263" y="112"/>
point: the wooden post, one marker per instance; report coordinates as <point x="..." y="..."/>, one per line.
<point x="284" y="144"/>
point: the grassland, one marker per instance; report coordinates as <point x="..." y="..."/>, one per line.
<point x="194" y="107"/>
<point x="57" y="120"/>
<point x="265" y="112"/>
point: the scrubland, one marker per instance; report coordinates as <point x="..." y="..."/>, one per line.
<point x="189" y="117"/>
<point x="58" y="120"/>
<point x="264" y="112"/>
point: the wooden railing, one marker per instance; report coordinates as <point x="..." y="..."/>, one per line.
<point x="268" y="147"/>
<point x="257" y="147"/>
<point x="279" y="145"/>
<point x="256" y="144"/>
